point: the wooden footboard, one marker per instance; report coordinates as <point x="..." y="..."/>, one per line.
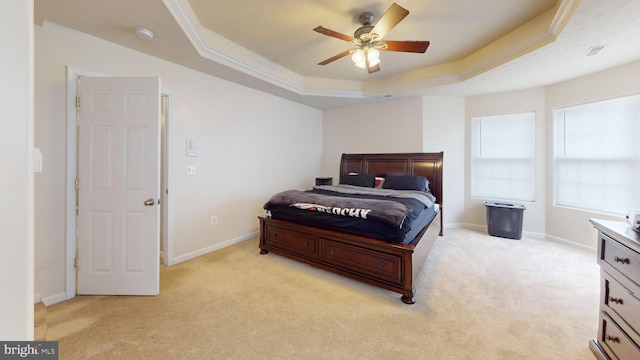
<point x="386" y="265"/>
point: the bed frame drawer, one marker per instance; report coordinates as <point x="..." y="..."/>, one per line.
<point x="292" y="241"/>
<point x="366" y="262"/>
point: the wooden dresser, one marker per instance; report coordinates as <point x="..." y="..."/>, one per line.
<point x="619" y="323"/>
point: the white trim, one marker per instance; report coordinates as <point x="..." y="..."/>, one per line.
<point x="569" y="242"/>
<point x="534" y="235"/>
<point x="70" y="278"/>
<point x="209" y="45"/>
<point x="215" y="247"/>
<point x="563" y="15"/>
<point x="276" y="74"/>
<point x="72" y="91"/>
<point x="54" y="299"/>
<point x="167" y="219"/>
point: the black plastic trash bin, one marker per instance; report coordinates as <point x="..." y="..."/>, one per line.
<point x="504" y="220"/>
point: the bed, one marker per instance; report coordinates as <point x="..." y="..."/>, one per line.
<point x="392" y="264"/>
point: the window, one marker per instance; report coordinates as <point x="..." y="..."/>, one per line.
<point x="597" y="156"/>
<point x="503" y="156"/>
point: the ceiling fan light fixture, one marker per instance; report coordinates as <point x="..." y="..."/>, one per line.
<point x="360" y="56"/>
<point x="368" y="39"/>
<point x="374" y="56"/>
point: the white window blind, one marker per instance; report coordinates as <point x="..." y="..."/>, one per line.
<point x="597" y="155"/>
<point x="503" y="157"/>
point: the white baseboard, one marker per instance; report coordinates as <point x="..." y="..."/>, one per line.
<point x="569" y="242"/>
<point x="530" y="234"/>
<point x="212" y="248"/>
<point x="534" y="235"/>
<point x="54" y="299"/>
<point x="466" y="226"/>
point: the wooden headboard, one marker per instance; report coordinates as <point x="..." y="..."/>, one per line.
<point x="421" y="164"/>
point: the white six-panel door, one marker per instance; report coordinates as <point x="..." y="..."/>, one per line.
<point x="119" y="186"/>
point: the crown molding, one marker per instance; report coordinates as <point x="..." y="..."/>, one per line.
<point x="532" y="35"/>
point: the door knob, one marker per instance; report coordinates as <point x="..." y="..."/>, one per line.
<point x="149" y="202"/>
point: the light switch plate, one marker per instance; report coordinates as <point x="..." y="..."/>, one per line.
<point x="193" y="148"/>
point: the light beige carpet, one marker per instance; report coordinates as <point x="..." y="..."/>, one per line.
<point x="478" y="297"/>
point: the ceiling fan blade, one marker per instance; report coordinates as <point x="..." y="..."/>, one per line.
<point x="389" y="20"/>
<point x="334" y="58"/>
<point x="335" y="34"/>
<point x="371" y="68"/>
<point x="406" y="46"/>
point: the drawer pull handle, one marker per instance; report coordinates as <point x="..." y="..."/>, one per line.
<point x="621" y="259"/>
<point x="382" y="264"/>
<point x="615" y="300"/>
<point x="333" y="251"/>
<point x="614" y="339"/>
<point x="306" y="243"/>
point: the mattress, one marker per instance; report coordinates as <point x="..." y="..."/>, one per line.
<point x="419" y="216"/>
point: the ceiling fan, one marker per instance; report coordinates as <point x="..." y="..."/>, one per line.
<point x="368" y="39"/>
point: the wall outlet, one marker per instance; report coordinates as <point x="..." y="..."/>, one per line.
<point x="214" y="220"/>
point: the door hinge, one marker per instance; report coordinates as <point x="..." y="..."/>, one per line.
<point x="75" y="262"/>
<point x="77" y="102"/>
<point x="76" y="185"/>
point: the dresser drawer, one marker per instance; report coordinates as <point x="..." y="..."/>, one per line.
<point x="616" y="341"/>
<point x="621" y="258"/>
<point x="385" y="266"/>
<point x="292" y="241"/>
<point x="624" y="302"/>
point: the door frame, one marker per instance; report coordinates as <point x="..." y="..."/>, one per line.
<point x="166" y="222"/>
<point x="71" y="245"/>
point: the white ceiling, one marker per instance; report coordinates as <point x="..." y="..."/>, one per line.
<point x="477" y="46"/>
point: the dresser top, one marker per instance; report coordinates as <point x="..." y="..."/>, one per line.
<point x="620" y="230"/>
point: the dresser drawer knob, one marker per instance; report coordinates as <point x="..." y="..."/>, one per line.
<point x="621" y="259"/>
<point x="614" y="339"/>
<point x="381" y="264"/>
<point x="615" y="300"/>
<point x="333" y="251"/>
<point x="306" y="243"/>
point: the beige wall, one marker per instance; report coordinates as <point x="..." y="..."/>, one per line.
<point x="443" y="130"/>
<point x="542" y="217"/>
<point x="444" y="126"/>
<point x="509" y="103"/>
<point x="566" y="223"/>
<point x="252" y="144"/>
<point x="415" y="124"/>
<point x="390" y="126"/>
<point x="16" y="167"/>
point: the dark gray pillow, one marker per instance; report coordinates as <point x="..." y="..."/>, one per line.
<point x="406" y="182"/>
<point x="365" y="180"/>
